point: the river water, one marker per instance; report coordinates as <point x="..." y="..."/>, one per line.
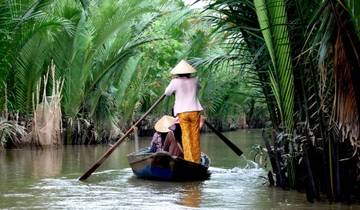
<point x="47" y="179"/>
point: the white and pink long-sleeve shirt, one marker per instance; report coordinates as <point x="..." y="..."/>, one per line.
<point x="186" y="90"/>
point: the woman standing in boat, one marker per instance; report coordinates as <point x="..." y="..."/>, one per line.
<point x="187" y="107"/>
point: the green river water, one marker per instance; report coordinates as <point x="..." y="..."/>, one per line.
<point x="47" y="179"/>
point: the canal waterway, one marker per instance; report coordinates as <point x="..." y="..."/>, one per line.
<point x="47" y="179"/>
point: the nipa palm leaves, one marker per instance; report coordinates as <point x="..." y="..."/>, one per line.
<point x="272" y="20"/>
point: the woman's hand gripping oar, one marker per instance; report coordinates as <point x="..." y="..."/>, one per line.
<point x="112" y="148"/>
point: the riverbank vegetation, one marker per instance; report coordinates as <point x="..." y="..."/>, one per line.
<point x="110" y="61"/>
<point x="305" y="55"/>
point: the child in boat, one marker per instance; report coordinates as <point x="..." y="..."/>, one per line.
<point x="164" y="137"/>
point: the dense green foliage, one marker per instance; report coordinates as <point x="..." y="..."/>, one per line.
<point x="114" y="58"/>
<point x="306" y="60"/>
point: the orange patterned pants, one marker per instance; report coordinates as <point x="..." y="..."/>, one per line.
<point x="190" y="129"/>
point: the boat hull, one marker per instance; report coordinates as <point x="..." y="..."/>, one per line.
<point x="163" y="166"/>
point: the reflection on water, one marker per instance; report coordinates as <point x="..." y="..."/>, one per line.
<point x="47" y="179"/>
<point x="190" y="194"/>
<point x="46" y="162"/>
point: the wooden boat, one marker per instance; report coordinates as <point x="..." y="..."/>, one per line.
<point x="163" y="166"/>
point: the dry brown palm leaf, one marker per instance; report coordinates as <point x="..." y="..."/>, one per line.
<point x="346" y="67"/>
<point x="47" y="126"/>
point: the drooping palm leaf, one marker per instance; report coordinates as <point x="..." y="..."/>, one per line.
<point x="276" y="37"/>
<point x="126" y="77"/>
<point x="238" y="20"/>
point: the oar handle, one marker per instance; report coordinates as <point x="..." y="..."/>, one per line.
<point x="112" y="148"/>
<point x="232" y="146"/>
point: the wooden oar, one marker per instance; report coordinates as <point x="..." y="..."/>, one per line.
<point x="225" y="140"/>
<point x="112" y="148"/>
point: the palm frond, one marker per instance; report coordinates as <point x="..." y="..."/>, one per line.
<point x="11" y="133"/>
<point x="277" y="41"/>
<point x="126" y="77"/>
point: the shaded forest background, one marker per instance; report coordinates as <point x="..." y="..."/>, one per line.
<point x="112" y="60"/>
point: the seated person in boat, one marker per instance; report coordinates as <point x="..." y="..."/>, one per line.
<point x="164" y="137"/>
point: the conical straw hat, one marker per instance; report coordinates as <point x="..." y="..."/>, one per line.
<point x="183" y="68"/>
<point x="164" y="123"/>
